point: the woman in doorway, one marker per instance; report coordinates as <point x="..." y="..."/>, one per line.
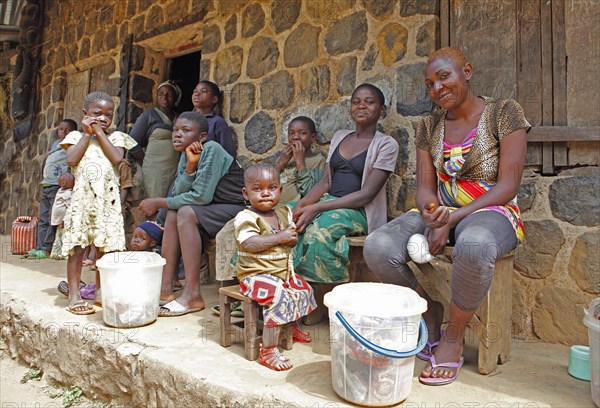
<point x="152" y="131"/>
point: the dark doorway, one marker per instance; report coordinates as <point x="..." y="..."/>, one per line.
<point x="185" y="71"/>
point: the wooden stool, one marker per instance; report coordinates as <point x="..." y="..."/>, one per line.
<point x="358" y="270"/>
<point x="492" y="321"/>
<point x="251" y="328"/>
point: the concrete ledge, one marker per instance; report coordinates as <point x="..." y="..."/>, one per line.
<point x="172" y="362"/>
<point x="179" y="362"/>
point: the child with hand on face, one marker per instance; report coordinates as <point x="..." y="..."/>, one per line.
<point x="265" y="236"/>
<point x="206" y="194"/>
<point x="300" y="168"/>
<point x="94" y="217"/>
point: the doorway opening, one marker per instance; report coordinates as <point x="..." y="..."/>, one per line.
<point x="185" y="71"/>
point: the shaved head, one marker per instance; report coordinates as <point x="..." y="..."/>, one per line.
<point x="450" y="54"/>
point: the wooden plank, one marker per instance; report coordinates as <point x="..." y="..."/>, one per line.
<point x="444" y="23"/>
<point x="559" y="77"/>
<point x="559" y="63"/>
<point x="561" y="157"/>
<point x="529" y="61"/>
<point x="121" y="117"/>
<point x="563" y="134"/>
<point x="534" y="154"/>
<point x="546" y="88"/>
<point x="486" y="32"/>
<point x="582" y="46"/>
<point x="547" y="158"/>
<point x="78" y="85"/>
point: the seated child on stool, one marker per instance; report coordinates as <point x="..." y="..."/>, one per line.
<point x="265" y="238"/>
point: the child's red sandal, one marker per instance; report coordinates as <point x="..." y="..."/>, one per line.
<point x="299" y="336"/>
<point x="272" y="358"/>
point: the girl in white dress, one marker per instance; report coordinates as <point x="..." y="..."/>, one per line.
<point x="94" y="217"/>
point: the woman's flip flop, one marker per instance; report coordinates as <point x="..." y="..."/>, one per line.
<point x="426" y="356"/>
<point x="81" y="308"/>
<point x="442" y="381"/>
<point x="174" y="308"/>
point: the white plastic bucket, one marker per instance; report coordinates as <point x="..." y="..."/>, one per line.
<point x="593" y="325"/>
<point x="375" y="329"/>
<point x="130" y="283"/>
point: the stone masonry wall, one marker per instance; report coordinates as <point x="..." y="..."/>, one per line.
<point x="556" y="269"/>
<point x="276" y="59"/>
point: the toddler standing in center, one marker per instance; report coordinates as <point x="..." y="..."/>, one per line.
<point x="94" y="217"/>
<point x="265" y="237"/>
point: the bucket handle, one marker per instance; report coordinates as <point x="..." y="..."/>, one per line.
<point x="423" y="335"/>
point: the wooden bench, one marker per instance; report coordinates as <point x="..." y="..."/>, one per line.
<point x="251" y="327"/>
<point x="211" y="251"/>
<point x="492" y="321"/>
<point x="358" y="269"/>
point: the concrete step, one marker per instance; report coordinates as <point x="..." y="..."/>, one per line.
<point x="178" y="362"/>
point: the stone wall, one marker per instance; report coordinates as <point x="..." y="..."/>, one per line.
<point x="275" y="59"/>
<point x="556" y="269"/>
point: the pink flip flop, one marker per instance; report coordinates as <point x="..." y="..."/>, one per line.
<point x="424" y="356"/>
<point x="442" y="381"/>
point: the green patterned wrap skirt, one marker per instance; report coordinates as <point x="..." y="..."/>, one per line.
<point x="321" y="254"/>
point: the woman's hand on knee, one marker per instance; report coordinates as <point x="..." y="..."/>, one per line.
<point x="304" y="215"/>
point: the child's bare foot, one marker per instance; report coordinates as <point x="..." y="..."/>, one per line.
<point x="272" y="358"/>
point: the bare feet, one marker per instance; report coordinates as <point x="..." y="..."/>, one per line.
<point x="272" y="358"/>
<point x="450" y="350"/>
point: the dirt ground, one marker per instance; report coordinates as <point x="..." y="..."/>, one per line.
<point x="32" y="394"/>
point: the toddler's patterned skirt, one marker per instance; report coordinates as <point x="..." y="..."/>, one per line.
<point x="282" y="302"/>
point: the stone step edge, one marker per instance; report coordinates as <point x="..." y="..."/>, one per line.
<point x="116" y="370"/>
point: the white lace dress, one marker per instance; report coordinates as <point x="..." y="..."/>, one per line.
<point x="94" y="217"/>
